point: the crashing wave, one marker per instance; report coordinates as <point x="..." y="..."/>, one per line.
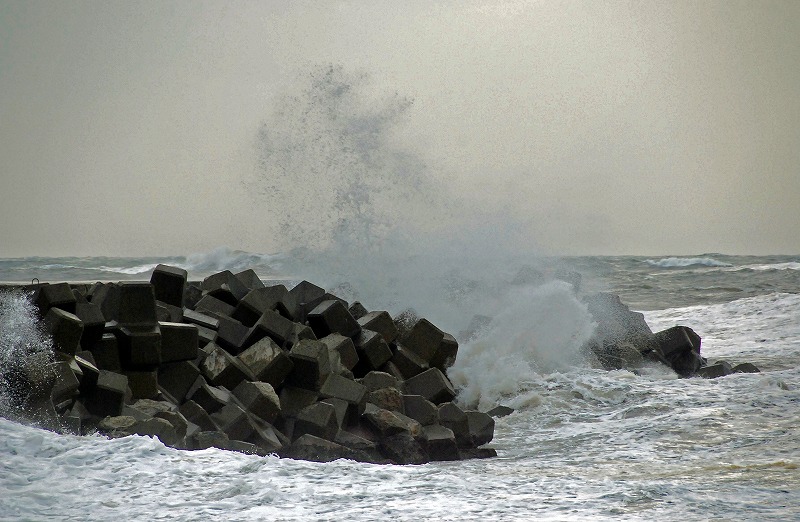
<point x="684" y="262"/>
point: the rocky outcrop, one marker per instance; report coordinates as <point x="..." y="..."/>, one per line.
<point x="232" y="363"/>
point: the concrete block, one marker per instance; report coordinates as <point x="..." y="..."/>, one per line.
<point x="382" y="323"/>
<point x="481" y="427"/>
<point x="376" y="380"/>
<point x="316" y="449"/>
<point x="205" y="336"/>
<point x="386" y="423"/>
<point x="454" y="418"/>
<point x="224" y="286"/>
<point x="387" y="398"/>
<point x="177" y="378"/>
<point x="500" y="411"/>
<point x="65" y="328"/>
<point x="192" y="293"/>
<point x="106" y="353"/>
<point x="311" y="365"/>
<point x="266" y="437"/>
<point x="249" y="279"/>
<point x="200" y="319"/>
<point x="195" y="414"/>
<point x="351" y="392"/>
<point x="276" y="298"/>
<point x="423" y="339"/>
<point x="209" y="439"/>
<point x="372" y="350"/>
<point x="143" y="383"/>
<point x="307" y="295"/>
<point x="318" y="419"/>
<point x="431" y="384"/>
<point x="713" y="371"/>
<point x="357" y="310"/>
<point x="293" y="400"/>
<point x="746" y="368"/>
<point x="344" y="347"/>
<point x="91" y="315"/>
<point x="136" y="304"/>
<point x="57" y="295"/>
<point x="179" y="342"/>
<point x="146" y="408"/>
<point x="260" y="399"/>
<point x="171" y="313"/>
<point x="267" y="362"/>
<point x="168" y="284"/>
<point x="213" y="306"/>
<point x="332" y="317"/>
<point x="223" y="369"/>
<point x="108" y="395"/>
<point x="403" y="448"/>
<point x="89" y="371"/>
<point x="346" y="414"/>
<point x="66" y="384"/>
<point x="233" y="420"/>
<point x="210" y="398"/>
<point x="139" y="345"/>
<point x="421" y="409"/>
<point x="407" y="362"/>
<point x="440" y="443"/>
<point x="446" y="354"/>
<point x="232" y="335"/>
<point x="392" y="370"/>
<point x="278" y="328"/>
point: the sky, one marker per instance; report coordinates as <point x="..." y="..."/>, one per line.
<point x="589" y="128"/>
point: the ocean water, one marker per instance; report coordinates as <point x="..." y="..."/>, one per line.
<point x="583" y="443"/>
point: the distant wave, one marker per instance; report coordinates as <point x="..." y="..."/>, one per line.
<point x="683" y="262"/>
<point x="792" y="265"/>
<point x="223" y="258"/>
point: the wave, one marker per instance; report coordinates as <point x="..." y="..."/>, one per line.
<point x="223" y="258"/>
<point x="792" y="265"/>
<point x="684" y="262"/>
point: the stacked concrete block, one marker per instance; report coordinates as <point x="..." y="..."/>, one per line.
<point x="267" y="362"/>
<point x="224" y="286"/>
<point x="168" y="284"/>
<point x="332" y="317"/>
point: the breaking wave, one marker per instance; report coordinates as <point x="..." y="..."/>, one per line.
<point x="684" y="262"/>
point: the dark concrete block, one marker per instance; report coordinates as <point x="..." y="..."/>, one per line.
<point x="382" y="323"/>
<point x="233" y="420"/>
<point x="209" y="303"/>
<point x="267" y="362"/>
<point x="172" y="314"/>
<point x="421" y="409"/>
<point x="106" y="353"/>
<point x="500" y="411"/>
<point x="278" y="328"/>
<point x="232" y="335"/>
<point x="260" y="399"/>
<point x="376" y="380"/>
<point x="680" y="346"/>
<point x="318" y="419"/>
<point x="332" y="317"/>
<point x="423" y="339"/>
<point x="339" y="387"/>
<point x="431" y="384"/>
<point x="481" y="427"/>
<point x="65" y="328"/>
<point x="408" y="363"/>
<point x="446" y="354"/>
<point x="200" y="319"/>
<point x="276" y="298"/>
<point x="386" y="423"/>
<point x="108" y="395"/>
<point x="403" y="448"/>
<point x="89" y="371"/>
<point x="392" y="370"/>
<point x="224" y="286"/>
<point x="316" y="449"/>
<point x="387" y="398"/>
<point x="195" y="414"/>
<point x="136" y="305"/>
<point x="177" y="378"/>
<point x="139" y="345"/>
<point x="179" y="342"/>
<point x="223" y="369"/>
<point x="293" y="400"/>
<point x="720" y="369"/>
<point x="66" y="383"/>
<point x="372" y="350"/>
<point x="143" y="383"/>
<point x="454" y="418"/>
<point x="205" y="336"/>
<point x="55" y="295"/>
<point x="93" y="321"/>
<point x="746" y="368"/>
<point x="357" y="310"/>
<point x="307" y="294"/>
<point x="311" y="365"/>
<point x="192" y="293"/>
<point x="168" y="284"/>
<point x="249" y="279"/>
<point x="209" y="439"/>
<point x="344" y="347"/>
<point x="440" y="443"/>
<point x="210" y="398"/>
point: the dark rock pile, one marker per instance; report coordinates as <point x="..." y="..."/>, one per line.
<point x="234" y="364"/>
<point x="624" y="340"/>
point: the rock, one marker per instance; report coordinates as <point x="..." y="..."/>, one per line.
<point x="404" y="322"/>
<point x="500" y="411"/>
<point x="680" y="346"/>
<point x="179" y="342"/>
<point x="431" y="384"/>
<point x="168" y="284"/>
<point x="382" y="323"/>
<point x="150" y="407"/>
<point x="481" y="427"/>
<point x="66" y="384"/>
<point x="65" y="328"/>
<point x="339" y="387"/>
<point x="746" y="368"/>
<point x="208" y="439"/>
<point x="387" y="398"/>
<point x="267" y="362"/>
<point x="420" y="409"/>
<point x="332" y="317"/>
<point x="617" y="356"/>
<point x="720" y="369"/>
<point x="477" y="453"/>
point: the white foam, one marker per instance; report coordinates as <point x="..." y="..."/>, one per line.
<point x="683" y="262"/>
<point x="540" y="329"/>
<point x="792" y="265"/>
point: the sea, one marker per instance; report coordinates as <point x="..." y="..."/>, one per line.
<point x="582" y="444"/>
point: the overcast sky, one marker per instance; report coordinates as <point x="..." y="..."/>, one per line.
<point x="132" y="128"/>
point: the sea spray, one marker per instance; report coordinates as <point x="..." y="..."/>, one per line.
<point x="21" y="336"/>
<point x="539" y="329"/>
